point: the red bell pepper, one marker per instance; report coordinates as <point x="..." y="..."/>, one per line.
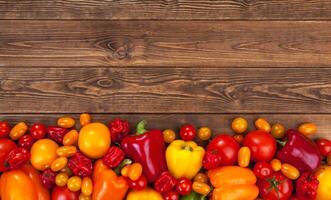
<point x="147" y="148"/>
<point x="300" y="152"/>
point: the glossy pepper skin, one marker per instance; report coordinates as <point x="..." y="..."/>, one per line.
<point x="148" y="149"/>
<point x="300" y="152"/>
<point x="146" y="194"/>
<point x="165" y="182"/>
<point x="106" y="184"/>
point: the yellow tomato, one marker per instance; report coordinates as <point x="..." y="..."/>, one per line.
<point x="278" y="131"/>
<point x="83" y="197"/>
<point x="244" y="156"/>
<point x="169" y="135"/>
<point x="74" y="183"/>
<point x="276" y="165"/>
<point x="239" y="125"/>
<point x="201" y="177"/>
<point x="59" y="164"/>
<point x="290" y="171"/>
<point x="87" y="186"/>
<point x="94" y="140"/>
<point x="307" y="129"/>
<point x="204" y="133"/>
<point x="18" y="131"/>
<point x="66" y="122"/>
<point x="66" y="151"/>
<point x="43" y="153"/>
<point x="324" y="187"/>
<point x="61" y="179"/>
<point x="201" y="188"/>
<point x="70" y="138"/>
<point x="84" y="119"/>
<point x="262" y="124"/>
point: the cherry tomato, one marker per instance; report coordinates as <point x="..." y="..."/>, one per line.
<point x="262" y="124"/>
<point x="278" y="131"/>
<point x="276" y="164"/>
<point x="4" y="129"/>
<point x="244" y="156"/>
<point x="239" y="125"/>
<point x="6" y="145"/>
<point x="324" y="146"/>
<point x="38" y="131"/>
<point x="139" y="184"/>
<point x="275" y="187"/>
<point x="87" y="186"/>
<point x="61" y="179"/>
<point x="169" y="135"/>
<point x="18" y="130"/>
<point x="66" y="122"/>
<point x="187" y="132"/>
<point x="262" y="169"/>
<point x="262" y="145"/>
<point x="227" y="147"/>
<point x="204" y="133"/>
<point x="184" y="186"/>
<point x="74" y="183"/>
<point x="63" y="193"/>
<point x="307" y="129"/>
<point x="290" y="171"/>
<point x="84" y="119"/>
<point x="26" y="141"/>
<point x="201" y="177"/>
<point x="171" y="195"/>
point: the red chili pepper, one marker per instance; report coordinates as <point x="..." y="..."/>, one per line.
<point x="324" y="145"/>
<point x="56" y="133"/>
<point x="80" y="165"/>
<point x="306" y="186"/>
<point x="4" y="129"/>
<point x="17" y="158"/>
<point x="165" y="182"/>
<point x="139" y="184"/>
<point x="118" y="129"/>
<point x="113" y="157"/>
<point x="171" y="195"/>
<point x="26" y="141"/>
<point x="299" y="151"/>
<point x="38" y="131"/>
<point x="187" y="132"/>
<point x="48" y="178"/>
<point x="184" y="186"/>
<point x="211" y="160"/>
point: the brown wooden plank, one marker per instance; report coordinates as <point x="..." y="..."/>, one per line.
<point x="165" y="43"/>
<point x="160" y="9"/>
<point x="219" y="123"/>
<point x="165" y="90"/>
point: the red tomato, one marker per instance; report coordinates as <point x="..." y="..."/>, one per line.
<point x="4" y="129"/>
<point x="227" y="147"/>
<point x="184" y="186"/>
<point x="262" y="169"/>
<point x="6" y="145"/>
<point x="324" y="146"/>
<point x="171" y="195"/>
<point x="63" y="193"/>
<point x="187" y="132"/>
<point x="262" y="145"/>
<point x="38" y="131"/>
<point x="139" y="184"/>
<point x="275" y="187"/>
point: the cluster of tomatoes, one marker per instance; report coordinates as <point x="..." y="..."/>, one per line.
<point x="263" y="163"/>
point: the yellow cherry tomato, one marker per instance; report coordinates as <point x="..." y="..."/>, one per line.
<point x="18" y="131"/>
<point x="204" y="133"/>
<point x="262" y="124"/>
<point x="201" y="188"/>
<point x="66" y="151"/>
<point x="94" y="140"/>
<point x="244" y="156"/>
<point x="238" y="138"/>
<point x="201" y="177"/>
<point x="66" y="122"/>
<point x="307" y="129"/>
<point x="329" y="159"/>
<point x="61" y="179"/>
<point x="83" y="197"/>
<point x="87" y="186"/>
<point x="125" y="171"/>
<point x="43" y="153"/>
<point x="239" y="125"/>
<point x="70" y="138"/>
<point x="323" y="175"/>
<point x="74" y="183"/>
<point x="278" y="131"/>
<point x="135" y="171"/>
<point x="59" y="164"/>
<point x="84" y="119"/>
<point x="290" y="171"/>
<point x="276" y="165"/>
<point x="169" y="135"/>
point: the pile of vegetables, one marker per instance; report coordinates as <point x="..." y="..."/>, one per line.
<point x="114" y="162"/>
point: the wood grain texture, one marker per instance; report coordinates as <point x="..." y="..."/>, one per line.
<point x="165" y="43"/>
<point x="165" y="90"/>
<point x="219" y="123"/>
<point x="165" y="9"/>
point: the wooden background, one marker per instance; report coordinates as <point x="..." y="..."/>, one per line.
<point x="167" y="61"/>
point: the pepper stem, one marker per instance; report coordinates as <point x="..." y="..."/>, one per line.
<point x="282" y="143"/>
<point x="141" y="127"/>
<point x="125" y="162"/>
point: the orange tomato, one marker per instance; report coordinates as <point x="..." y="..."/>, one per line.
<point x="66" y="151"/>
<point x="18" y="131"/>
<point x="290" y="171"/>
<point x="204" y="133"/>
<point x="84" y="119"/>
<point x="262" y="124"/>
<point x="276" y="165"/>
<point x="43" y="153"/>
<point x="87" y="186"/>
<point x="244" y="156"/>
<point x="59" y="164"/>
<point x="169" y="135"/>
<point x="66" y="122"/>
<point x="61" y="179"/>
<point x="201" y="177"/>
<point x="94" y="140"/>
<point x="70" y="138"/>
<point x="83" y="197"/>
<point x="74" y="183"/>
<point x="201" y="188"/>
<point x="239" y="125"/>
<point x="307" y="129"/>
<point x="278" y="131"/>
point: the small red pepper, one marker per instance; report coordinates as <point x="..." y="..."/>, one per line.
<point x="211" y="160"/>
<point x="306" y="186"/>
<point x="187" y="132"/>
<point x="80" y="165"/>
<point x="165" y="182"/>
<point x="56" y="133"/>
<point x="48" y="178"/>
<point x="139" y="184"/>
<point x="118" y="129"/>
<point x="184" y="186"/>
<point x="17" y="158"/>
<point x="113" y="157"/>
<point x="300" y="152"/>
<point x="171" y="195"/>
<point x="324" y="146"/>
<point x="26" y="141"/>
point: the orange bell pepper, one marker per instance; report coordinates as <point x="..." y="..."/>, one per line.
<point x="106" y="183"/>
<point x="22" y="184"/>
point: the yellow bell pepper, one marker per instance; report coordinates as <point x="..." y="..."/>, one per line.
<point x="324" y="187"/>
<point x="146" y="194"/>
<point x="184" y="159"/>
